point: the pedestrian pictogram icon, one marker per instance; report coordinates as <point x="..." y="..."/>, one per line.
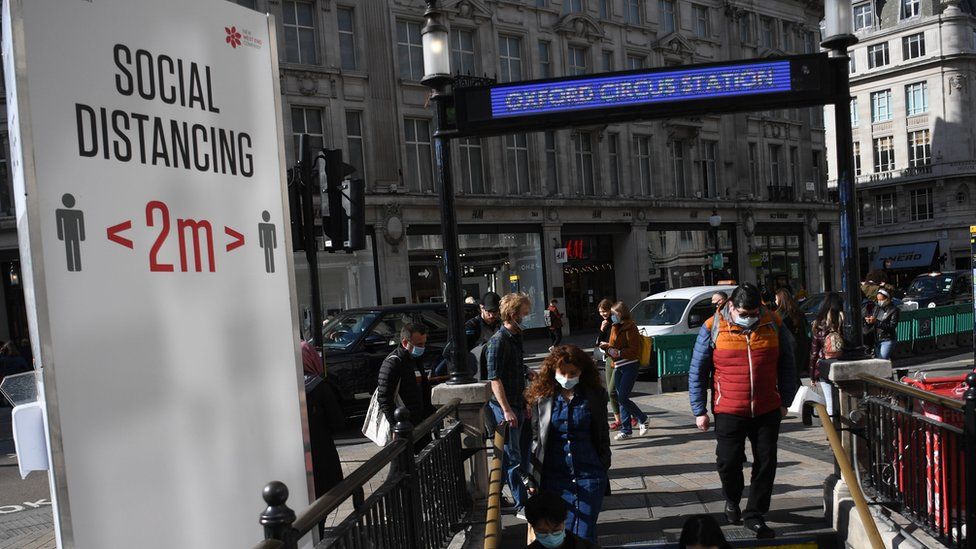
<point x="268" y="240"/>
<point x="71" y="230"/>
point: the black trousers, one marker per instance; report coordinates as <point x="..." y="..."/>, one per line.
<point x="731" y="433"/>
<point x="556" y="336"/>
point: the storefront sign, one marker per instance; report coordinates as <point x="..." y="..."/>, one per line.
<point x="157" y="266"/>
<point x="561" y="255"/>
<point x="718" y="261"/>
<point x="575" y="249"/>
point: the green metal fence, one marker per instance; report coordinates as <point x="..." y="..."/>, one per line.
<point x="673" y="354"/>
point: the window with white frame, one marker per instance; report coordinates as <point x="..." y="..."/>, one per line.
<point x="863" y="16"/>
<point x="347" y="38"/>
<point x="885" y="211"/>
<point x="667" y="13"/>
<point x="419" y="173"/>
<point x="299" y="23"/>
<point x="910" y="8"/>
<point x="517" y="156"/>
<point x="745" y="28"/>
<point x="857" y="159"/>
<point x="878" y="55"/>
<point x="755" y="177"/>
<point x="552" y="164"/>
<point x="767" y="33"/>
<point x="881" y="106"/>
<point x="510" y="58"/>
<point x="635" y="61"/>
<point x="472" y="167"/>
<point x="709" y="151"/>
<point x="775" y="165"/>
<point x="307" y="120"/>
<point x="919" y="148"/>
<point x="576" y="61"/>
<point x="922" y="206"/>
<point x="676" y="152"/>
<point x="613" y="157"/>
<point x="916" y="98"/>
<point x="855" y="119"/>
<point x="633" y="10"/>
<point x="572" y="6"/>
<point x="545" y="59"/>
<point x="913" y="47"/>
<point x="642" y="155"/>
<point x="583" y="146"/>
<point x="410" y="50"/>
<point x="462" y="51"/>
<point x="884" y="154"/>
<point x="702" y="23"/>
<point x="355" y="143"/>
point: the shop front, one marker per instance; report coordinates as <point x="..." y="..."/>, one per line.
<point x="778" y="256"/>
<point x="588" y="277"/>
<point x="498" y="258"/>
<point x="683" y="256"/>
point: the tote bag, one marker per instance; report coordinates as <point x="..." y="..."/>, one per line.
<point x="376" y="427"/>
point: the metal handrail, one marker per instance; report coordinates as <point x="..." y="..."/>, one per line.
<point x="913" y="392"/>
<point x="431" y="422"/>
<point x="493" y="520"/>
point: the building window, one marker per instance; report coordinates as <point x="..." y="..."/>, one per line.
<point x="787" y="36"/>
<point x="702" y="28"/>
<point x="676" y="150"/>
<point x="510" y="58"/>
<point x="613" y="154"/>
<point x="745" y="28"/>
<point x="517" y="154"/>
<point x="922" y="204"/>
<point x="472" y="168"/>
<point x="462" y="51"/>
<point x="754" y="170"/>
<point x="881" y="106"/>
<point x="884" y="208"/>
<point x="913" y="46"/>
<point x="552" y="164"/>
<point x="583" y="145"/>
<point x="878" y="55"/>
<point x="863" y="16"/>
<point x="709" y="169"/>
<point x="541" y="3"/>
<point x="299" y="24"/>
<point x="817" y="169"/>
<point x="767" y="38"/>
<point x="576" y="61"/>
<point x="307" y="120"/>
<point x="857" y="159"/>
<point x="354" y="142"/>
<point x="419" y="176"/>
<point x="910" y="8"/>
<point x="642" y="149"/>
<point x="347" y="39"/>
<point x="854" y="116"/>
<point x="667" y="10"/>
<point x="607" y="61"/>
<point x="545" y="59"/>
<point x="884" y="154"/>
<point x="572" y="6"/>
<point x="851" y="63"/>
<point x="252" y="4"/>
<point x="916" y="98"/>
<point x="775" y="165"/>
<point x="633" y="11"/>
<point x="410" y="50"/>
<point x="635" y="62"/>
<point x="604" y="9"/>
<point x="810" y="41"/>
<point x="795" y="167"/>
<point x="919" y="148"/>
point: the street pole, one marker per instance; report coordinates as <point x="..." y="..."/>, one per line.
<point x="311" y="242"/>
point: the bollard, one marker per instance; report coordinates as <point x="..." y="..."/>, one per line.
<point x="277" y="518"/>
<point x="403" y="431"/>
<point x="969" y="426"/>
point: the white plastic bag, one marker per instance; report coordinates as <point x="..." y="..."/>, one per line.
<point x="377" y="427"/>
<point x="805" y="393"/>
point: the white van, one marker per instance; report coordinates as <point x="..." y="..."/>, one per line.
<point x="675" y="312"/>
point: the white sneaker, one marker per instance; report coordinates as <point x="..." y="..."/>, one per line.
<point x="520" y="514"/>
<point x="623" y="436"/>
<point x="643" y="427"/>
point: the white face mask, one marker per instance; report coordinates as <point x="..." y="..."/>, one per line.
<point x="566" y="382"/>
<point x="746" y="322"/>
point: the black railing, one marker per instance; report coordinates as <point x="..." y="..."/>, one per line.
<point x="921" y="457"/>
<point x="422" y="502"/>
<point x="780" y="193"/>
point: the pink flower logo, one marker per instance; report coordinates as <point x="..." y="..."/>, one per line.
<point x="233" y="37"/>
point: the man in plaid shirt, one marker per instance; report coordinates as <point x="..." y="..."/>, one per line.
<point x="507" y="374"/>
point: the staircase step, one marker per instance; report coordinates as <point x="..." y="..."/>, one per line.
<point x="826" y="540"/>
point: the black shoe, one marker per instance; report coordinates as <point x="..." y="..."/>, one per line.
<point x="759" y="527"/>
<point x="733" y="513"/>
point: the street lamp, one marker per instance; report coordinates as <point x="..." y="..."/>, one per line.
<point x="437" y="76"/>
<point x="838" y="38"/>
<point x="715" y="221"/>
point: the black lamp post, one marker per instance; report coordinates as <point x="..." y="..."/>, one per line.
<point x="715" y="221"/>
<point x="838" y="38"/>
<point x="437" y="76"/>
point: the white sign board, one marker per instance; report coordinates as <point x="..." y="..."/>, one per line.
<point x="561" y="256"/>
<point x="147" y="155"/>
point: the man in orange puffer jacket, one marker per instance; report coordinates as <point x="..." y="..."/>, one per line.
<point x="748" y="356"/>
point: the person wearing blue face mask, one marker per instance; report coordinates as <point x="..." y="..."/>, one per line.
<point x="546" y="513"/>
<point x="398" y="376"/>
<point x="570" y="436"/>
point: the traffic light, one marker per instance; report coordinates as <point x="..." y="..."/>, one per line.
<point x="354" y="206"/>
<point x="343" y="203"/>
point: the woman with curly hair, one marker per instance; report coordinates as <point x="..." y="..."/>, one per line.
<point x="570" y="436"/>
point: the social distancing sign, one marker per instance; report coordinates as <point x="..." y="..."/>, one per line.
<point x="146" y="150"/>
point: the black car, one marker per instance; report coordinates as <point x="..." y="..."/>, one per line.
<point x="356" y="341"/>
<point x="937" y="289"/>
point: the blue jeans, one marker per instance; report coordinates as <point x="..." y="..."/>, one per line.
<point x="883" y="349"/>
<point x="626" y="376"/>
<point x="516" y="452"/>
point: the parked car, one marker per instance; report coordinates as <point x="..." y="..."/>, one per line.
<point x="357" y="340"/>
<point x="679" y="311"/>
<point x="940" y="288"/>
